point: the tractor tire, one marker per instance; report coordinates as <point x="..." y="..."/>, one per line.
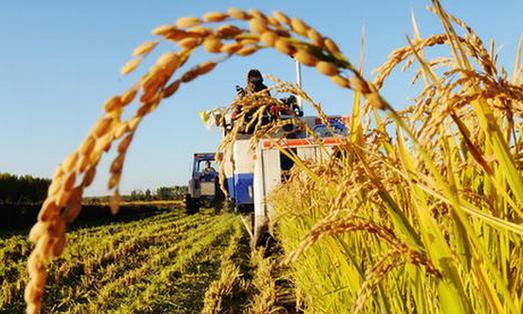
<point x="192" y="206"/>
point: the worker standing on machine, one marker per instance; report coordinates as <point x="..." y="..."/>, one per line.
<point x="254" y="85"/>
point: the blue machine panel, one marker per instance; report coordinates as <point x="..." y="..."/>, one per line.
<point x="242" y="188"/>
<point x="242" y="185"/>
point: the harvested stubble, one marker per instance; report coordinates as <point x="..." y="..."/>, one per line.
<point x="451" y="201"/>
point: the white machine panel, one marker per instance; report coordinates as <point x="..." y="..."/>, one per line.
<point x="243" y="162"/>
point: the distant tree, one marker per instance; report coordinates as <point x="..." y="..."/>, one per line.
<point x="164" y="193"/>
<point x="137" y="195"/>
<point x="26" y="188"/>
<point x="179" y="192"/>
<point x="148" y="195"/>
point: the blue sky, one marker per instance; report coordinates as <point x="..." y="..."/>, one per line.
<point x="60" y="61"/>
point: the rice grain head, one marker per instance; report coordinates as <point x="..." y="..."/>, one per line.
<point x="164" y="29"/>
<point x="130" y="66"/>
<point x="145" y="48"/>
<point x="212" y="44"/>
<point x="305" y="57"/>
<point x="215" y="17"/>
<point x="189" y="43"/>
<point x="284" y="46"/>
<point x="327" y="68"/>
<point x="238" y="14"/>
<point x="231" y="48"/>
<point x="188" y="21"/>
<point x="299" y="27"/>
<point x="281" y="17"/>
<point x="247" y="50"/>
<point x="269" y="38"/>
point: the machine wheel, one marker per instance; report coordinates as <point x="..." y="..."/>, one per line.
<point x="192" y="206"/>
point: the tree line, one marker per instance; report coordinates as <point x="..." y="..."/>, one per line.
<point x="22" y="189"/>
<point x="162" y="193"/>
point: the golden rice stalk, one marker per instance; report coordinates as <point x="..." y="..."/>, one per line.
<point x="130" y="66"/>
<point x="145" y="48"/>
<point x="188" y="21"/>
<point x="215" y="17"/>
<point x="327" y="68"/>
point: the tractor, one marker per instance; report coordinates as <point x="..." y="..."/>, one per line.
<point x="203" y="188"/>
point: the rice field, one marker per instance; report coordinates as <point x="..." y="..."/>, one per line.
<point x="160" y="263"/>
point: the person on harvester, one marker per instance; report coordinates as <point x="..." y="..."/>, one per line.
<point x="254" y="85"/>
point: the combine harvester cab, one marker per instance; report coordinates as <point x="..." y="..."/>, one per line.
<point x="252" y="174"/>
